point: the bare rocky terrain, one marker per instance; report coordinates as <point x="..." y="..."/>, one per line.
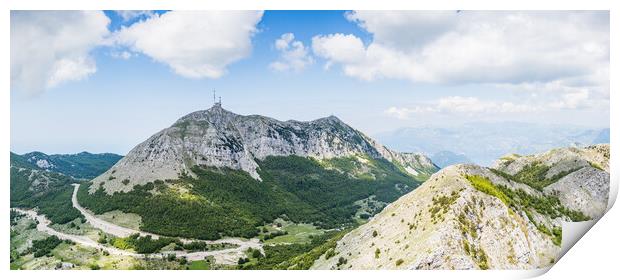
<point x="472" y="217"/>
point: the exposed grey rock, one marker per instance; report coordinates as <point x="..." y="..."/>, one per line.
<point x="585" y="190"/>
<point x="585" y="186"/>
<point x="44" y="164"/>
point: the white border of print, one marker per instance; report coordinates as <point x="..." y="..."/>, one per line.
<point x="594" y="256"/>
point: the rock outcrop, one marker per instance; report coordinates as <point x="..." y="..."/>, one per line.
<point x="581" y="175"/>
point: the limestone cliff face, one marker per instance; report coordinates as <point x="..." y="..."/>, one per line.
<point x="220" y="138"/>
<point x="472" y="217"/>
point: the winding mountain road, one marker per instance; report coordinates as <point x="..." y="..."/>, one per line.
<point x="120" y="231"/>
<point x="44" y="226"/>
<point x="225" y="256"/>
<point x="98" y="223"/>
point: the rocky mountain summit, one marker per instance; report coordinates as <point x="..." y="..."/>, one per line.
<point x="471" y="217"/>
<point x="222" y="139"/>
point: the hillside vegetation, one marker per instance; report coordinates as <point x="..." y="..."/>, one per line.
<point x="49" y="192"/>
<point x="225" y="202"/>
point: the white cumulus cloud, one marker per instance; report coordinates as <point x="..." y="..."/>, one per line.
<point x="52" y="47"/>
<point x="195" y="44"/>
<point x="573" y="100"/>
<point x="404" y="29"/>
<point x="463" y="105"/>
<point x="128" y="15"/>
<point x="472" y="47"/>
<point x="67" y="69"/>
<point x="403" y="113"/>
<point x="293" y="54"/>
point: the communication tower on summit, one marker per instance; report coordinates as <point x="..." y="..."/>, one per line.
<point x="217" y="102"/>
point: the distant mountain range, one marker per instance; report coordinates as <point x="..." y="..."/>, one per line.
<point x="447" y="158"/>
<point x="603" y="137"/>
<point x="482" y="143"/>
<point x="83" y="165"/>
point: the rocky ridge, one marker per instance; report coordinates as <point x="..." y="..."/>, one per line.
<point x="471" y="217"/>
<point x="222" y="139"/>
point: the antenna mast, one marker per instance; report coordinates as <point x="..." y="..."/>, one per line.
<point x="215" y="100"/>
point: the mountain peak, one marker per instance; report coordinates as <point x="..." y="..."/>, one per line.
<point x="215" y="114"/>
<point x="217" y="107"/>
<point x="219" y="138"/>
<point x="331" y="118"/>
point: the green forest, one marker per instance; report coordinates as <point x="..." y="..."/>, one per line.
<point x="52" y="196"/>
<point x="229" y="202"/>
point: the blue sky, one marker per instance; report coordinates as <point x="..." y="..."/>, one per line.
<point x="121" y="77"/>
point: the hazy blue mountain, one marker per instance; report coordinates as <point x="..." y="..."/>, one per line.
<point x="603" y="137"/>
<point x="484" y="142"/>
<point x="83" y="165"/>
<point x="447" y="158"/>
